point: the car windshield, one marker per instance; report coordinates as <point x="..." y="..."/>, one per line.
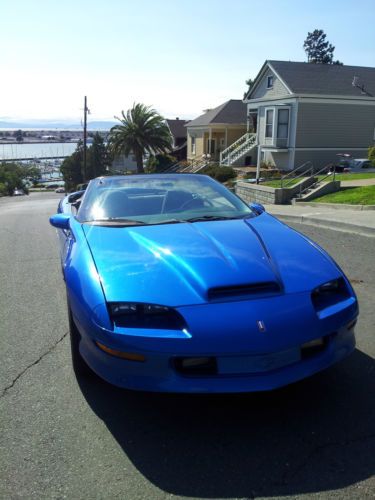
<point x="157" y="199"/>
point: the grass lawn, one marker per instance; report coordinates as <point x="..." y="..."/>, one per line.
<point x="276" y="183"/>
<point x="339" y="177"/>
<point x="364" y="195"/>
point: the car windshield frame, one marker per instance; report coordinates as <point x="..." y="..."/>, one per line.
<point x="132" y="200"/>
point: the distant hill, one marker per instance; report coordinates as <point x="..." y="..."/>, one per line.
<point x="52" y="124"/>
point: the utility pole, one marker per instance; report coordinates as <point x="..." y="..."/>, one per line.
<point x="85" y="110"/>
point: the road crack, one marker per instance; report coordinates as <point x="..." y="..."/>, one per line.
<point x="289" y="475"/>
<point x="7" y="388"/>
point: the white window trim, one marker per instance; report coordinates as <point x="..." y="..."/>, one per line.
<point x="273" y="123"/>
<point x="277" y="124"/>
<point x="193" y="145"/>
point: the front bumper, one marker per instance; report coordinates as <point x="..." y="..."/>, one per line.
<point x="157" y="373"/>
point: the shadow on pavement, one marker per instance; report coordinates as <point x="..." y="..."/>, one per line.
<point x="313" y="436"/>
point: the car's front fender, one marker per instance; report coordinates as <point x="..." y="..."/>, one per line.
<point x="85" y="294"/>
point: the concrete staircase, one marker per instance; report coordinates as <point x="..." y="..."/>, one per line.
<point x="316" y="189"/>
<point x="194" y="166"/>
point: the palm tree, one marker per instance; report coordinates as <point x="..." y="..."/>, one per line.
<point x="141" y="130"/>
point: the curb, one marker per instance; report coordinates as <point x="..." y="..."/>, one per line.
<point x="335" y="206"/>
<point x="344" y="227"/>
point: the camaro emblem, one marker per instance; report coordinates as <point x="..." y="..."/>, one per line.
<point x="261" y="326"/>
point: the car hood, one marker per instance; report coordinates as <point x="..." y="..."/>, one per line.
<point x="178" y="264"/>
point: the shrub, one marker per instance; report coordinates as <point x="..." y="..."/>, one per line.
<point x="221" y="174"/>
<point x="266" y="174"/>
<point x="160" y="162"/>
<point x="265" y="165"/>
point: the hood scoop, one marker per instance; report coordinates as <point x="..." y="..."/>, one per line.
<point x="262" y="288"/>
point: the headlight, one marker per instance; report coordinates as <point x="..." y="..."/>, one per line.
<point x="130" y="308"/>
<point x="329" y="293"/>
<point x="139" y="315"/>
<point x="329" y="287"/>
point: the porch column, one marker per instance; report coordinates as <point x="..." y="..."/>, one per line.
<point x="209" y="141"/>
<point x="226" y="138"/>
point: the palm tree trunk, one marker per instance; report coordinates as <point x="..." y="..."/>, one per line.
<point x="139" y="160"/>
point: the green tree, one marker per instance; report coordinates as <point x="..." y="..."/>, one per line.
<point x="318" y="49"/>
<point x="15" y="175"/>
<point x="160" y="162"/>
<point x="141" y="130"/>
<point x="71" y="168"/>
<point x="249" y="83"/>
<point x="97" y="159"/>
<point x="371" y="154"/>
<point x="18" y="134"/>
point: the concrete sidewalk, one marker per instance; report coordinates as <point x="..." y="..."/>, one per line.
<point x="358" y="183"/>
<point x="347" y="220"/>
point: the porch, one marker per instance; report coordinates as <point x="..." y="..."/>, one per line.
<point x="209" y="142"/>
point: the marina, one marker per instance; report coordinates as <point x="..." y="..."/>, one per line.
<point x="29" y="151"/>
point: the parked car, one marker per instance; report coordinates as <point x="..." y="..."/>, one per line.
<point x="347" y="164"/>
<point x="175" y="284"/>
<point x="60" y="190"/>
<point x="361" y="165"/>
<point x="18" y="192"/>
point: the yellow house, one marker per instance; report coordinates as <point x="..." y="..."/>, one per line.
<point x="215" y="130"/>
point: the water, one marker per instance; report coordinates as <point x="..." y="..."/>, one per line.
<point x="37" y="150"/>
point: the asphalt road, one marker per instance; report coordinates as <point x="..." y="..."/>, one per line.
<point x="63" y="438"/>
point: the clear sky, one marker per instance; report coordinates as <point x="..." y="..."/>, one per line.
<point x="178" y="56"/>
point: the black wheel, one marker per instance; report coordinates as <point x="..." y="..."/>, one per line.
<point x="80" y="366"/>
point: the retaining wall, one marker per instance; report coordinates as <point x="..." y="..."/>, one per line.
<point x="269" y="195"/>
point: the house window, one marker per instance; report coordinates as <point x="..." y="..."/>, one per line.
<point x="269" y="123"/>
<point x="283" y="124"/>
<point x="193" y="145"/>
<point x="269" y="82"/>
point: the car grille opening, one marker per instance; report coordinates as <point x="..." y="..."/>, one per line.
<point x="314" y="347"/>
<point x="196" y="366"/>
<point x="260" y="288"/>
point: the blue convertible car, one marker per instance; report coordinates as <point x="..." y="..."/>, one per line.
<point x="175" y="284"/>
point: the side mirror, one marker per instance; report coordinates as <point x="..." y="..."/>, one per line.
<point x="257" y="207"/>
<point x="60" y="221"/>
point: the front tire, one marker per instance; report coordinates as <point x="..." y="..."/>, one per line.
<point x="80" y="366"/>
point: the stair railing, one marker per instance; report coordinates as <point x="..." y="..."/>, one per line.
<point x="195" y="165"/>
<point x="306" y="170"/>
<point x="329" y="170"/>
<point x="236" y="147"/>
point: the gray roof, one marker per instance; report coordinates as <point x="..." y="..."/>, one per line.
<point x="177" y="127"/>
<point x="230" y="112"/>
<point x="324" y="79"/>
